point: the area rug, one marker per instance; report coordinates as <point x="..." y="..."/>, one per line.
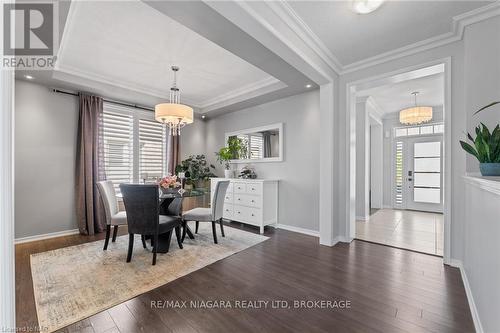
<point x="73" y="283"/>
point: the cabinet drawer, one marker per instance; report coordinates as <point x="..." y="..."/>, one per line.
<point x="255" y="189"/>
<point x="229" y="197"/>
<point x="247" y="200"/>
<point x="239" y="187"/>
<point x="246" y="214"/>
<point x="228" y="212"/>
<point x="253" y="215"/>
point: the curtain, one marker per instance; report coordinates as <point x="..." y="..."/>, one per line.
<point x="89" y="165"/>
<point x="173" y="152"/>
<point x="266" y="144"/>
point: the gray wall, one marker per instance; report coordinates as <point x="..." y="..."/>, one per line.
<point x="45" y="141"/>
<point x="193" y="139"/>
<point x="482" y="78"/>
<point x="299" y="172"/>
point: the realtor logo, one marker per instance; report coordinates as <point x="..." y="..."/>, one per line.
<point x="29" y="34"/>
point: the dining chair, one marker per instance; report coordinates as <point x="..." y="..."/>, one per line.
<point x="142" y="204"/>
<point x="114" y="217"/>
<point x="212" y="214"/>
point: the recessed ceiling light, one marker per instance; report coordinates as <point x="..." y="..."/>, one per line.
<point x="308" y="86"/>
<point x="365" y="6"/>
<point x="29" y="77"/>
<point x="203" y="116"/>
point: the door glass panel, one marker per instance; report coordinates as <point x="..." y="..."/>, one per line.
<point x="428" y="179"/>
<point x="427" y="195"/>
<point x="439" y="128"/>
<point x="432" y="164"/>
<point x="427" y="149"/>
<point x="427" y="172"/>
<point x="426" y="130"/>
<point x="401" y="132"/>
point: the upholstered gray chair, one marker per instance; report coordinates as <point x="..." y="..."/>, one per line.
<point x="212" y="214"/>
<point x="114" y="217"/>
<point x="142" y="204"/>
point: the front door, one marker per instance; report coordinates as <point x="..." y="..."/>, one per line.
<point x="424" y="174"/>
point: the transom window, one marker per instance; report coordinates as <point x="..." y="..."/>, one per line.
<point x="436" y="128"/>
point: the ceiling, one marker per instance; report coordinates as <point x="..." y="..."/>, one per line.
<point x="394" y="97"/>
<point x="350" y="37"/>
<point x="137" y="50"/>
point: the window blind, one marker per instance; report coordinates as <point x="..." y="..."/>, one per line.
<point x="118" y="147"/>
<point x="152" y="152"/>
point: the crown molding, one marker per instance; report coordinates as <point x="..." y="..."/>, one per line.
<point x="458" y="28"/>
<point x="252" y="88"/>
<point x="305" y="33"/>
<point x="293" y="20"/>
<point x="376" y="111"/>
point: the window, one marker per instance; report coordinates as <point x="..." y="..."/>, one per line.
<point x="118" y="147"/>
<point x="437" y="128"/>
<point x="399" y="182"/>
<point x="134" y="145"/>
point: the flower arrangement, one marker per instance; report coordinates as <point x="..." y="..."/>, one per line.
<point x="169" y="182"/>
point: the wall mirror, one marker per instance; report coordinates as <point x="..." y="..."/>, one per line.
<point x="261" y="144"/>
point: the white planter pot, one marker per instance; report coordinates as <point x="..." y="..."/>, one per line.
<point x="228" y="173"/>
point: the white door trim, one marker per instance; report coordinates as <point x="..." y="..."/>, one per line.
<point x="7" y="268"/>
<point x="350" y="124"/>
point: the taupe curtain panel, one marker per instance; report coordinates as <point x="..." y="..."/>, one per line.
<point x="173" y="150"/>
<point x="89" y="165"/>
<point x="266" y="139"/>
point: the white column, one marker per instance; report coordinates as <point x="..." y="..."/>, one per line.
<point x="326" y="166"/>
<point x="7" y="281"/>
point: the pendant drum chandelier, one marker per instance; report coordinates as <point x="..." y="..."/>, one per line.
<point x="174" y="114"/>
<point x="416" y="114"/>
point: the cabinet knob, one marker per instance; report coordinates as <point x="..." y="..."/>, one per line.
<point x="239" y="212"/>
<point x="253" y="215"/>
<point x="253" y="189"/>
<point x="239" y="199"/>
<point x="253" y="200"/>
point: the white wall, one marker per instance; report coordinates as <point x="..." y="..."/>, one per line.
<point x="376" y="165"/>
<point x="482" y="86"/>
<point x="299" y="172"/>
<point x="193" y="139"/>
<point x="45" y="150"/>
<point x="362" y="159"/>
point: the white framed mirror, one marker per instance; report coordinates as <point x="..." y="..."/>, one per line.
<point x="263" y="144"/>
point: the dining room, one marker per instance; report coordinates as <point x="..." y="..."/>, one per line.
<point x="186" y="166"/>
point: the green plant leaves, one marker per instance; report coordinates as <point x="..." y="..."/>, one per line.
<point x="485" y="107"/>
<point x="468" y="148"/>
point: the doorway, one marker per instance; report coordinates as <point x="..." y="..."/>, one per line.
<point x="412" y="213"/>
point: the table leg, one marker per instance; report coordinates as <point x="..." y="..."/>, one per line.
<point x="189" y="232"/>
<point x="164" y="242"/>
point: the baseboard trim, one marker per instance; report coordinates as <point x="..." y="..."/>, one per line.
<point x="472" y="305"/>
<point x="362" y="218"/>
<point x="46" y="236"/>
<point x="297" y="229"/>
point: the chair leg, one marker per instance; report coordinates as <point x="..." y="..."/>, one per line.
<point x="143" y="239"/>
<point x="222" y="228"/>
<point x="197" y="225"/>
<point x="178" y="236"/>
<point x="106" y="241"/>
<point x="184" y="230"/>
<point x="130" y="246"/>
<point x="214" y="232"/>
<point x="155" y="248"/>
<point x="115" y="231"/>
<point x="169" y="240"/>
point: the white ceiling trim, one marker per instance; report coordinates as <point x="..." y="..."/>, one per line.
<point x="296" y="49"/>
<point x="295" y="22"/>
<point x="74" y="75"/>
<point x="304" y="32"/>
<point x="250" y="89"/>
<point x="376" y="111"/>
<point x="457" y="33"/>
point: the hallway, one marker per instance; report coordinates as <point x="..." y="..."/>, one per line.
<point x="413" y="230"/>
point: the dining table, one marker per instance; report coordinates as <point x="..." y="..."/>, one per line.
<point x="171" y="204"/>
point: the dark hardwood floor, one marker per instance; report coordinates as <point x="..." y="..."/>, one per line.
<point x="390" y="290"/>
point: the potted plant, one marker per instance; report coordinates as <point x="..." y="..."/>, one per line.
<point x="485" y="147"/>
<point x="197" y="170"/>
<point x="235" y="149"/>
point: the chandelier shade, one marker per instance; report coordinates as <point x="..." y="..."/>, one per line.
<point x="174" y="114"/>
<point x="415" y="115"/>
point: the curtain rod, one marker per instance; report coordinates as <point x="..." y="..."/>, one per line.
<point x="105" y="100"/>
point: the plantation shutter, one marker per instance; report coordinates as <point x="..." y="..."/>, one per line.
<point x="152" y="149"/>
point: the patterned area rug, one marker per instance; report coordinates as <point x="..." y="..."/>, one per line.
<point x="73" y="283"/>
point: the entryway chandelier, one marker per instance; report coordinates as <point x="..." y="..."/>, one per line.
<point x="416" y="114"/>
<point x="174" y="114"/>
